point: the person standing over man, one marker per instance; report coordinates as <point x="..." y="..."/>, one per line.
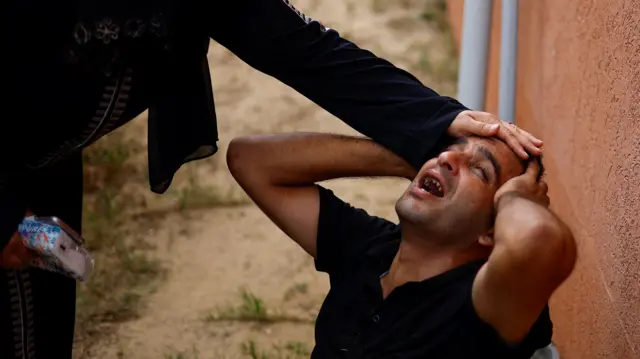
<point x="77" y="70"/>
<point x="467" y="272"/>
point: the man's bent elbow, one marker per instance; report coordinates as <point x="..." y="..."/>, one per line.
<point x="556" y="246"/>
<point x="568" y="250"/>
<point x="238" y="156"/>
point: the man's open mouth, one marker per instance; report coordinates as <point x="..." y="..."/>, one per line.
<point x="433" y="186"/>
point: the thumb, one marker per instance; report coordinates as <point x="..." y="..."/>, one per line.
<point x="533" y="169"/>
<point x="483" y="129"/>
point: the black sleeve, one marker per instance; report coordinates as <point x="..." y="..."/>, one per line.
<point x="368" y="93"/>
<point x="345" y="233"/>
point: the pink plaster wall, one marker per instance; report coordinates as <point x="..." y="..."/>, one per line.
<point x="579" y="90"/>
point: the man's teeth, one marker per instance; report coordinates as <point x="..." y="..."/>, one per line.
<point x="432" y="183"/>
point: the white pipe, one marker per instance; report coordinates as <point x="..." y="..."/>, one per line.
<point x="508" y="57"/>
<point x="474" y="53"/>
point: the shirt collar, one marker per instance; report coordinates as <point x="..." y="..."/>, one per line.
<point x="381" y="256"/>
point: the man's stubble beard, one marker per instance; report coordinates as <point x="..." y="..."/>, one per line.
<point x="450" y="224"/>
<point x="426" y="221"/>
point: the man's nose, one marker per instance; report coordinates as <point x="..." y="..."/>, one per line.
<point x="450" y="161"/>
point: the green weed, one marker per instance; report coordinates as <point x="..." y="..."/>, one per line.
<point x="290" y="350"/>
<point x="252" y="309"/>
<point x="193" y="354"/>
<point x="123" y="265"/>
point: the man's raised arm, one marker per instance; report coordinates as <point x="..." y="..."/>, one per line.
<point x="534" y="252"/>
<point x="279" y="173"/>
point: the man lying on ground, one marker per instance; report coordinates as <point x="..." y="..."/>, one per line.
<point x="467" y="272"/>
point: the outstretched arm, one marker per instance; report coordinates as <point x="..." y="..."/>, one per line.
<point x="534" y="252"/>
<point x="279" y="173"/>
<point x="368" y="93"/>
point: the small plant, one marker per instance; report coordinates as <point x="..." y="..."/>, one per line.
<point x="252" y="305"/>
<point x="298" y="348"/>
<point x="250" y="349"/>
<point x="252" y="309"/>
<point x="123" y="267"/>
<point x="183" y="354"/>
<point x="290" y="350"/>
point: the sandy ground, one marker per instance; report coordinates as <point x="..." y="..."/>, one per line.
<point x="213" y="253"/>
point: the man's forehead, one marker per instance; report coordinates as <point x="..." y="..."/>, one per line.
<point x="492" y="143"/>
<point x="507" y="158"/>
<point x="481" y="140"/>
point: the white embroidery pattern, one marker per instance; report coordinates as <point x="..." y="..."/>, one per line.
<point x="298" y="12"/>
<point x="106" y="31"/>
<point x="304" y="17"/>
<point x="81" y="34"/>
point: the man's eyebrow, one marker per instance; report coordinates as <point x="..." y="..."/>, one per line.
<point x="497" y="169"/>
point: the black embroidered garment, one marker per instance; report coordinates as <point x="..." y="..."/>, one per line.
<point x="78" y="69"/>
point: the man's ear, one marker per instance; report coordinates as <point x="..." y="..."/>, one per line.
<point x="486" y="240"/>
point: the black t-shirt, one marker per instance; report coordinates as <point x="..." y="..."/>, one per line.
<point x="431" y="319"/>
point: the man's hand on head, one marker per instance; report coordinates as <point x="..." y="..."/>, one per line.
<point x="477" y="123"/>
<point x="534" y="251"/>
<point x="526" y="185"/>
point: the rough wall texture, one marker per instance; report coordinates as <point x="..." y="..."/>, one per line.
<point x="579" y="90"/>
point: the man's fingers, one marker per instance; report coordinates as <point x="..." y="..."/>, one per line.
<point x="544" y="188"/>
<point x="532" y="170"/>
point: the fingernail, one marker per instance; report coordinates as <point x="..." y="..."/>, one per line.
<point x="494" y="127"/>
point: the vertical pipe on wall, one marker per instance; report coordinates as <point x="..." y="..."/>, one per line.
<point x="474" y="53"/>
<point x="508" y="56"/>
